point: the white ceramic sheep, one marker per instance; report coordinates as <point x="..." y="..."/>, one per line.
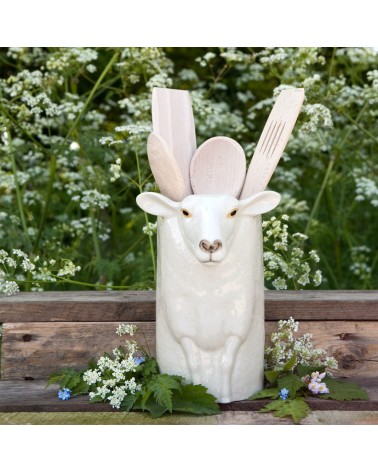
<point x="210" y="284"/>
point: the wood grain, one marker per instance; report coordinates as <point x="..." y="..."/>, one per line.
<point x="34" y="350"/>
<point x="273" y="140"/>
<point x="172" y="118"/>
<point x="32" y="396"/>
<point x="109" y="306"/>
<point x="218" y="167"/>
<point x="165" y="169"/>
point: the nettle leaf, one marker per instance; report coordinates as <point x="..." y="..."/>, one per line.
<point x="271" y="376"/>
<point x="162" y="386"/>
<point x="342" y="390"/>
<point x="149" y="367"/>
<point x="195" y="399"/>
<point x="292" y="382"/>
<point x="129" y="401"/>
<point x="66" y="378"/>
<point x="265" y="393"/>
<point x="290" y="363"/>
<point x="303" y="370"/>
<point x="297" y="409"/>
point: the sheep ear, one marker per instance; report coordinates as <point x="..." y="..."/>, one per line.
<point x="259" y="203"/>
<point x="157" y="204"/>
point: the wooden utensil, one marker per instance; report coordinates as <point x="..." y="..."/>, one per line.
<point x="165" y="168"/>
<point x="172" y="118"/>
<point x="218" y="166"/>
<point x="273" y="140"/>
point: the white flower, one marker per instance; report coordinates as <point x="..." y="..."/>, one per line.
<point x="323" y="388"/>
<point x="314" y="387"/>
<point x="91" y="376"/>
<point x="68" y="268"/>
<point x="316" y="377"/>
<point x="126" y="329"/>
<point x="74" y="146"/>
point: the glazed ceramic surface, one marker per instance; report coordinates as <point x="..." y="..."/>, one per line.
<point x="210" y="290"/>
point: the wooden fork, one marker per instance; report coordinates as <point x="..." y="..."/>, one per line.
<point x="273" y="141"/>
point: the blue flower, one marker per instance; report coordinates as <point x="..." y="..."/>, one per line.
<point x="64" y="394"/>
<point x="284" y="392"/>
<point x="138" y="359"/>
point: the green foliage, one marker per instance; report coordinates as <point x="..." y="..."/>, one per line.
<point x="69" y="378"/>
<point x="297" y="409"/>
<point x="265" y="393"/>
<point x="342" y="390"/>
<point x="292" y="382"/>
<point x="272" y="376"/>
<point x="131" y="381"/>
<point x="65" y="195"/>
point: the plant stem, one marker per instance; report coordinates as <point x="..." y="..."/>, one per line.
<point x="48" y="199"/>
<point x="320" y="193"/>
<point x="145" y="214"/>
<point x="90" y="96"/>
<point x="20" y="203"/>
<point x="96" y="243"/>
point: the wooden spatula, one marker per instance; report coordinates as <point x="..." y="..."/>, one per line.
<point x="273" y="140"/>
<point x="172" y="119"/>
<point x="218" y="166"/>
<point x="165" y="168"/>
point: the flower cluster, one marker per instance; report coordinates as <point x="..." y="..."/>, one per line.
<point x="286" y="263"/>
<point x="285" y="344"/>
<point x="314" y="382"/>
<point x="17" y="266"/>
<point x="113" y="378"/>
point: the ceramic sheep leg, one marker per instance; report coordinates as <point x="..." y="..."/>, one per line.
<point x="210" y="297"/>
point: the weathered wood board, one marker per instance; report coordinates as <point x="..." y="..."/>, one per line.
<point x="34" y="350"/>
<point x="131" y="306"/>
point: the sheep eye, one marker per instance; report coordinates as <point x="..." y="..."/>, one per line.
<point x="232" y="213"/>
<point x="186" y="213"/>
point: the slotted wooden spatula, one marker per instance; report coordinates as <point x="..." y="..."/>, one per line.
<point x="273" y="140"/>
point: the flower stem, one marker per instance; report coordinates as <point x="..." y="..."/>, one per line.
<point x="145" y="214"/>
<point x="20" y="203"/>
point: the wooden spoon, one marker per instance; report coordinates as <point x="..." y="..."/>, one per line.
<point x="172" y="118"/>
<point x="165" y="168"/>
<point x="218" y="167"/>
<point x="273" y="140"/>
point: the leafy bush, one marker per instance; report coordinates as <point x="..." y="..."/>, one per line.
<point x="73" y="127"/>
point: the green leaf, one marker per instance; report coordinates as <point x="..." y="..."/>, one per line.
<point x="162" y="386"/>
<point x="265" y="393"/>
<point x="297" y="409"/>
<point x="342" y="390"/>
<point x="303" y="370"/>
<point x="195" y="399"/>
<point x="292" y="382"/>
<point x="271" y="376"/>
<point x="149" y="367"/>
<point x="145" y="397"/>
<point x="154" y="408"/>
<point x="129" y="401"/>
<point x="81" y="388"/>
<point x="290" y="363"/>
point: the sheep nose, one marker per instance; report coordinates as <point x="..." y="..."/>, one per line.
<point x="207" y="246"/>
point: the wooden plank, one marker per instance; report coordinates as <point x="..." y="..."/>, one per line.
<point x="34" y="397"/>
<point x="35" y="349"/>
<point x="110" y="306"/>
